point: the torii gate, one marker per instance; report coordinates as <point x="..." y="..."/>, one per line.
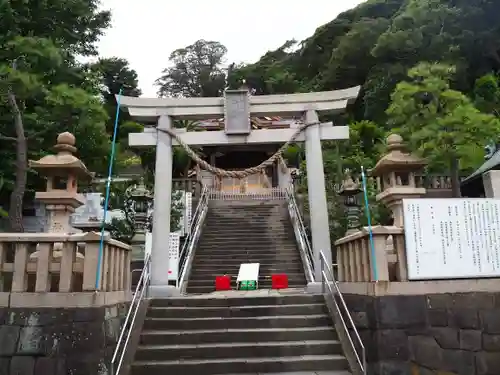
<point x="236" y="107"/>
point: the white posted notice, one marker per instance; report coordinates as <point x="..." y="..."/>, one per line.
<point x="173" y="253"/>
<point x="452" y="238"/>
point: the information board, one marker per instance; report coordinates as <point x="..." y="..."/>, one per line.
<point x="173" y="253"/>
<point x="452" y="238"/>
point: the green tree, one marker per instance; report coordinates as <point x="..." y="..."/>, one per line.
<point x="25" y="80"/>
<point x="441" y="123"/>
<point x="487" y="94"/>
<point x="196" y="71"/>
<point x="38" y="48"/>
<point x="114" y="75"/>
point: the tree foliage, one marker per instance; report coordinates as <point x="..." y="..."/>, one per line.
<point x="375" y="45"/>
<point x="441" y="123"/>
<point x="44" y="91"/>
<point x="196" y="71"/>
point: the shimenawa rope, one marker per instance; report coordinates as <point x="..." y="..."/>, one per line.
<point x="236" y="174"/>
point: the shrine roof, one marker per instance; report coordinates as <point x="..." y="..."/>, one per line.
<point x="274" y="122"/>
<point x="491" y="163"/>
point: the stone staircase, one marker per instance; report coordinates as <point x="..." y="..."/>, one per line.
<point x="239" y="335"/>
<point x="238" y="232"/>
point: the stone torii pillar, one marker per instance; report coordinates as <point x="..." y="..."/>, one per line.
<point x="236" y="107"/>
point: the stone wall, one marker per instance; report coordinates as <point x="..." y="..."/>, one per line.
<point x="56" y="341"/>
<point x="440" y="334"/>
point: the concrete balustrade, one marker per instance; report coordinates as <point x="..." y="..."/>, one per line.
<point x="53" y="269"/>
<point x="356" y="260"/>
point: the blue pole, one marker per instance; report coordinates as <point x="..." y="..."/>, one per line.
<point x="367" y="208"/>
<point x="108" y="187"/>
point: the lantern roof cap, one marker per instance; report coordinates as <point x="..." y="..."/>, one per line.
<point x="64" y="162"/>
<point x="349" y="185"/>
<point x="397" y="158"/>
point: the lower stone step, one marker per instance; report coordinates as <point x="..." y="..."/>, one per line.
<point x="247" y="300"/>
<point x="237" y="311"/>
<point x="237" y="350"/>
<point x="288" y="321"/>
<point x="238" y="335"/>
<point x="241" y="365"/>
<point x="263" y="284"/>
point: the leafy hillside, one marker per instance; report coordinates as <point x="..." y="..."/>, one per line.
<point x="429" y="69"/>
<point x="376" y="43"/>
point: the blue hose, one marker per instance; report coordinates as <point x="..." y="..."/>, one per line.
<point x="108" y="187"/>
<point x="370" y="232"/>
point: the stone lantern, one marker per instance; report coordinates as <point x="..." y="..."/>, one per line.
<point x="62" y="172"/>
<point x="350" y="190"/>
<point x="397" y="172"/>
<point x="138" y="207"/>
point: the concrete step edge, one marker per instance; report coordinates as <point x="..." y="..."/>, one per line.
<point x="236" y="330"/>
<point x="263" y="317"/>
<point x="330" y="357"/>
<point x="240" y="344"/>
<point x="236" y="307"/>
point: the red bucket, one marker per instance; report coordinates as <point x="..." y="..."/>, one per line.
<point x="223" y="282"/>
<point x="279" y="281"/>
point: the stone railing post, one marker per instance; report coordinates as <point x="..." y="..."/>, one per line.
<point x="356" y="259"/>
<point x="69" y="272"/>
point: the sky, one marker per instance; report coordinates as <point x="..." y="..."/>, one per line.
<point x="145" y="32"/>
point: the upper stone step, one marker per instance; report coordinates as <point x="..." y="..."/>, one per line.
<point x="248" y="299"/>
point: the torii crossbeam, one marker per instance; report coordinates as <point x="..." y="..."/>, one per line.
<point x="236" y="107"/>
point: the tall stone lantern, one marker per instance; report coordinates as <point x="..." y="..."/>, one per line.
<point x="62" y="171"/>
<point x="139" y="201"/>
<point x="397" y="171"/>
<point x="350" y="190"/>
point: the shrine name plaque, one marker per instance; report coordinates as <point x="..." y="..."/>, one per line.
<point x="452" y="238"/>
<point x="236" y="112"/>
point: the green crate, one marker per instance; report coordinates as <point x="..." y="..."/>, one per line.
<point x="248" y="285"/>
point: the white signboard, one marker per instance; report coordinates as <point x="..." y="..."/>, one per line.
<point x="189" y="212"/>
<point x="452" y="238"/>
<point x="173" y="253"/>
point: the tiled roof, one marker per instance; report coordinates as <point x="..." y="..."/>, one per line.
<point x="491" y="163"/>
<point x="257" y="123"/>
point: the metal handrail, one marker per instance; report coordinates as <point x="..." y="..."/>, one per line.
<point x="187" y="249"/>
<point x="194" y="220"/>
<point x="360" y="357"/>
<point x="123" y="339"/>
<point x="300" y="229"/>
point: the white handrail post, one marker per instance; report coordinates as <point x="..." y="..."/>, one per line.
<point x="322" y="262"/>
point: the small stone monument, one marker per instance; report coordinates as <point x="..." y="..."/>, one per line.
<point x="88" y="217"/>
<point x="397" y="170"/>
<point x="61" y="195"/>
